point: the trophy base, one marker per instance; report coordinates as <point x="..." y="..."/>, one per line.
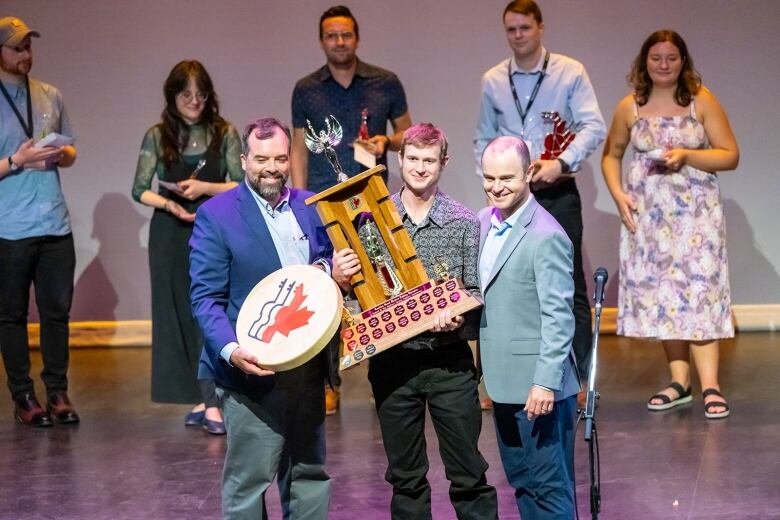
<point x="401" y="318"/>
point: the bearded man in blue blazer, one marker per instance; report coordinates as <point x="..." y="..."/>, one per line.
<point x="526" y="334"/>
<point x="274" y="421"/>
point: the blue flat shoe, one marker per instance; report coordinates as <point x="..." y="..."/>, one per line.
<point x="195" y="418"/>
<point x="214" y="427"/>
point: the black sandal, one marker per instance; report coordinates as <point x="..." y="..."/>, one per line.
<point x="715" y="404"/>
<point x="667" y="402"/>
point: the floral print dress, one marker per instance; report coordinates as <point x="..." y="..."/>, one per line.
<point x="674" y="275"/>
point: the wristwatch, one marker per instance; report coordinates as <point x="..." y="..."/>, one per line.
<point x="12" y="166"/>
<point x="564" y="166"/>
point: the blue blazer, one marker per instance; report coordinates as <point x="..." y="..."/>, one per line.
<point x="231" y="250"/>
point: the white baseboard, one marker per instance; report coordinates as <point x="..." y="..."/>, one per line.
<point x="747" y="318"/>
<point x="757" y="317"/>
<point x="138" y="333"/>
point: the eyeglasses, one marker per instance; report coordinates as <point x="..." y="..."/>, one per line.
<point x="334" y="36"/>
<point x="187" y="96"/>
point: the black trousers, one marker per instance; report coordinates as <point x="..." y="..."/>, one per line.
<point x="404" y="381"/>
<point x="563" y="203"/>
<point x="49" y="263"/>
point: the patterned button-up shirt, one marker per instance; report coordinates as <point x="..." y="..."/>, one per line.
<point x="449" y="232"/>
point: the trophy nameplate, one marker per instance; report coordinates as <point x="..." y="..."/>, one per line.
<point x="401" y="318"/>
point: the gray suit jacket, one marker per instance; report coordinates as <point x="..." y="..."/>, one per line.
<point x="527" y="321"/>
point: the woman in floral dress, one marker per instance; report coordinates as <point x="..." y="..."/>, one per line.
<point x="674" y="283"/>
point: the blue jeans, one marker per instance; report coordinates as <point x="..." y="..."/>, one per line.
<point x="538" y="458"/>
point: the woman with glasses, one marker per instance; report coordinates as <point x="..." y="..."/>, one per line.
<point x="195" y="154"/>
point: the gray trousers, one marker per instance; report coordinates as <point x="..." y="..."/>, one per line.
<point x="281" y="434"/>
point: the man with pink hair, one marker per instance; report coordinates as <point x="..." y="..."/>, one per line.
<point x="436" y="367"/>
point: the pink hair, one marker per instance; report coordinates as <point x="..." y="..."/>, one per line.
<point x="424" y="135"/>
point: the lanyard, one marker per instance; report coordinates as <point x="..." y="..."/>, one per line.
<point x="524" y="113"/>
<point x="28" y="128"/>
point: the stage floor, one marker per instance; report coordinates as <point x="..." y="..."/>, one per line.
<point x="131" y="459"/>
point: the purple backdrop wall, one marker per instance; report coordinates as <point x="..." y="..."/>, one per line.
<point x="110" y="58"/>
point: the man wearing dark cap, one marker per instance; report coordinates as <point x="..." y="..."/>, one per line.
<point x="36" y="244"/>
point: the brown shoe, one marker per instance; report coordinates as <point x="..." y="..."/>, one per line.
<point x="486" y="404"/>
<point x="332" y="398"/>
<point x="29" y="411"/>
<point x="61" y="408"/>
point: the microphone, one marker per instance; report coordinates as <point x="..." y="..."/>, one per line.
<point x="600" y="278"/>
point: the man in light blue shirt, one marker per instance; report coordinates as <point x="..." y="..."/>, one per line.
<point x="36" y="245"/>
<point x="515" y="93"/>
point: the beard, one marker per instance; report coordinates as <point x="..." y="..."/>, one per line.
<point x="268" y="190"/>
<point x="20" y="68"/>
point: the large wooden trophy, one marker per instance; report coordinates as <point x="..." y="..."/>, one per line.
<point x="397" y="299"/>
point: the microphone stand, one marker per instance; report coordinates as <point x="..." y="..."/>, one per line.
<point x="591" y="434"/>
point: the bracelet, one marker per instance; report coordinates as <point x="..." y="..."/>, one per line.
<point x="166" y="207"/>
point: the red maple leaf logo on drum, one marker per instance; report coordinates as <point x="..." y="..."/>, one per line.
<point x="289" y="317"/>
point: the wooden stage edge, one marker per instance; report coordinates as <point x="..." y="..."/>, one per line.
<point x="138" y="333"/>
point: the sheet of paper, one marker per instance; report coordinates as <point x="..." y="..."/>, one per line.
<point x="171" y="186"/>
<point x="364" y="156"/>
<point x="54" y="139"/>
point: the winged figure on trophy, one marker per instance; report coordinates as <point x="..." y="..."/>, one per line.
<point x="324" y="141"/>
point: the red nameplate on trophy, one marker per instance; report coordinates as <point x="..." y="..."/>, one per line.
<point x="401" y="318"/>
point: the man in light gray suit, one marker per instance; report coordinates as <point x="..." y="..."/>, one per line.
<point x="526" y="333"/>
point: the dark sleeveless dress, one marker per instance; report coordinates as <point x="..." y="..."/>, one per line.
<point x="176" y="337"/>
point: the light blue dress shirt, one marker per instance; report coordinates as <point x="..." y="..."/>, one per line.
<point x="566" y="89"/>
<point x="31" y="201"/>
<point x="292" y="245"/>
<point x="496" y="237"/>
